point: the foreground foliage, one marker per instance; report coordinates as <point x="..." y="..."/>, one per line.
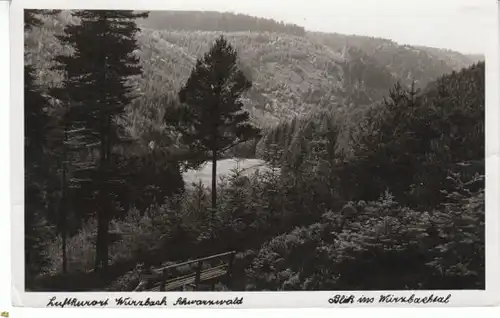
<point x="382" y="246"/>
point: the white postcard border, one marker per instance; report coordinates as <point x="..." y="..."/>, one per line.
<point x="488" y="297"/>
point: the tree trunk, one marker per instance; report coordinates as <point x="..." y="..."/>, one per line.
<point x="64" y="257"/>
<point x="102" y="238"/>
<point x="103" y="217"/>
<point x="214" y="184"/>
<point x="63" y="209"/>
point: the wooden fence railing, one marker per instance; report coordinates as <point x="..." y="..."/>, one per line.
<point x="164" y="278"/>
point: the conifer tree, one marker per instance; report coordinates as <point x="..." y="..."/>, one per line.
<point x="96" y="90"/>
<point x="212" y="118"/>
<point x="37" y="230"/>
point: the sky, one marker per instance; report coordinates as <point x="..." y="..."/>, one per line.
<point x="459" y="25"/>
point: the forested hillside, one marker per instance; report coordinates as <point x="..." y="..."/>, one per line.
<point x="374" y="156"/>
<point x="292" y="74"/>
<point x="215" y="21"/>
<point x="405" y="62"/>
<point x="425" y="151"/>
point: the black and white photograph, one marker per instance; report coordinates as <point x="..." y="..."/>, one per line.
<point x="264" y="147"/>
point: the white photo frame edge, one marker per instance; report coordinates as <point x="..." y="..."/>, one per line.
<point x="488" y="297"/>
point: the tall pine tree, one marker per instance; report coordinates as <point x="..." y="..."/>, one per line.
<point x="97" y="90"/>
<point x="212" y="118"/>
<point x="37" y="230"/>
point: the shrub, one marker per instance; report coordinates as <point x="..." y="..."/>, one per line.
<point x="127" y="282"/>
<point x="380" y="245"/>
<point x="460" y="251"/>
<point x="80" y="251"/>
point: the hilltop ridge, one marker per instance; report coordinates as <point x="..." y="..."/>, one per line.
<point x="294" y="71"/>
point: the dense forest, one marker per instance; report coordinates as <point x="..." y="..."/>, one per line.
<point x="291" y="75"/>
<point x="216" y="21"/>
<point x="374" y="154"/>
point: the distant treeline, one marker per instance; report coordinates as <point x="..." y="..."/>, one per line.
<point x="450" y="107"/>
<point x="216" y="21"/>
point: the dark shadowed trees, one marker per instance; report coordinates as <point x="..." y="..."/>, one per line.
<point x="96" y="90"/>
<point x="36" y="120"/>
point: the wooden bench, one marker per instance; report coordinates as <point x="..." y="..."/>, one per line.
<point x="159" y="280"/>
